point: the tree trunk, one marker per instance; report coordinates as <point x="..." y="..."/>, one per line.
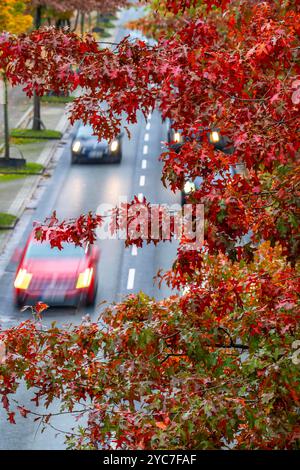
<point x="82" y="23"/>
<point x="6" y="124"/>
<point x="36" y="122"/>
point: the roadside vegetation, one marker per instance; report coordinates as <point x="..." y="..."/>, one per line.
<point x="45" y="134"/>
<point x="7" y="220"/>
<point x="13" y="173"/>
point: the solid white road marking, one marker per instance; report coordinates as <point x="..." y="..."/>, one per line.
<point x="148" y="125"/>
<point x="142" y="180"/>
<point x="130" y="279"/>
<point x="144" y="164"/>
<point x="145" y="149"/>
<point x="146" y="137"/>
<point x="134" y="250"/>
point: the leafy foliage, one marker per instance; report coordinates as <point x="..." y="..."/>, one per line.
<point x="13" y="17"/>
<point x="214" y="366"/>
<point x="104" y="6"/>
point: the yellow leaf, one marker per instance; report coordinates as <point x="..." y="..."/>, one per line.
<point x="13" y="17"/>
<point x="161" y="425"/>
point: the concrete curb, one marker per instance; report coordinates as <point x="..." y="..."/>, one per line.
<point x="5" y="240"/>
<point x="26" y="115"/>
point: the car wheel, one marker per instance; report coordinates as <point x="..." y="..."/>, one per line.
<point x="118" y="159"/>
<point x="90" y="301"/>
<point x="18" y="303"/>
<point x="73" y="160"/>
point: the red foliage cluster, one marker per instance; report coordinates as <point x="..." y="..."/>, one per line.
<point x="80" y="231"/>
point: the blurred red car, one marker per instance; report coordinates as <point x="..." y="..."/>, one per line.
<point x="66" y="277"/>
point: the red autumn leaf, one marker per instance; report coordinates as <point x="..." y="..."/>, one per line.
<point x="5" y="402"/>
<point x="40" y="307"/>
<point x="23" y="411"/>
<point x="11" y="418"/>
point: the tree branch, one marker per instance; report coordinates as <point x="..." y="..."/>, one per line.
<point x="171" y="355"/>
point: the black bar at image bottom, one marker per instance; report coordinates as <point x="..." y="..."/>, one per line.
<point x="144" y="458"/>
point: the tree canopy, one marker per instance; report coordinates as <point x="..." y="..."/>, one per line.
<point x="104" y="6"/>
<point x="13" y="17"/>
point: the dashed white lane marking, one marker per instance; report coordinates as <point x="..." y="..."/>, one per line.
<point x="142" y="180"/>
<point x="140" y="197"/>
<point x="146" y="137"/>
<point x="144" y="164"/>
<point x="149" y="117"/>
<point x="148" y="125"/>
<point x="130" y="279"/>
<point x="134" y="250"/>
<point x="145" y="149"/>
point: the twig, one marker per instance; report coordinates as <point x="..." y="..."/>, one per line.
<point x="233" y="345"/>
<point x="171" y="355"/>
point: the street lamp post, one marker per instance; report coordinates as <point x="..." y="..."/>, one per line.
<point x="6" y="160"/>
<point x="5" y="113"/>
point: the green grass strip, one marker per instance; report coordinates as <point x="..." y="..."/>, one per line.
<point x="13" y="173"/>
<point x="57" y="99"/>
<point x="46" y="134"/>
<point x="7" y="220"/>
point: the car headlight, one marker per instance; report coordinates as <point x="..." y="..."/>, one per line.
<point x="214" y="137"/>
<point x="84" y="279"/>
<point x="114" y="145"/>
<point x="23" y="279"/>
<point x="189" y="187"/>
<point x="76" y="146"/>
<point x="177" y="137"/>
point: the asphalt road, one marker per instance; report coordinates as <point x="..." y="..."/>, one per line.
<point x="71" y="191"/>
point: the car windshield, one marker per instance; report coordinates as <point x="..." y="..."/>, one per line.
<point x="86" y="132"/>
<point x="37" y="250"/>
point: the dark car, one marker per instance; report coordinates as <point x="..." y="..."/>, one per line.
<point x="66" y="277"/>
<point x="174" y="136"/>
<point x="86" y="147"/>
<point x="177" y="139"/>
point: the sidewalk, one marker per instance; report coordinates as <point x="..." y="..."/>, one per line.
<point x="18" y="104"/>
<point x="54" y="117"/>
